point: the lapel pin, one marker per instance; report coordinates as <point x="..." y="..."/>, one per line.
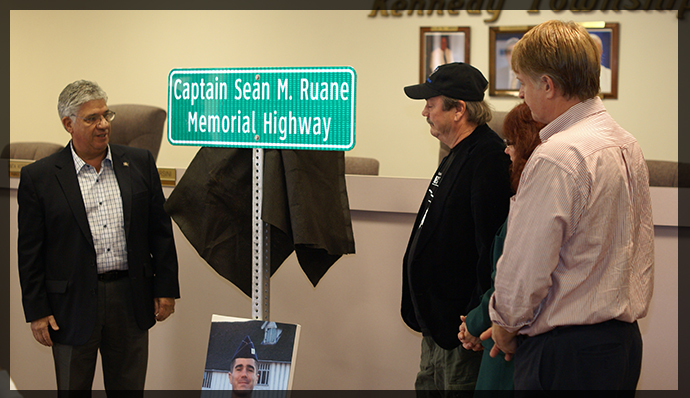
<point x="125" y="164"/>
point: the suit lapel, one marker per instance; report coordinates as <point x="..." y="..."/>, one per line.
<point x="123" y="173"/>
<point x="436" y="209"/>
<point x="67" y="178"/>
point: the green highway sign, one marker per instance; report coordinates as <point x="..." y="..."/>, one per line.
<point x="279" y="108"/>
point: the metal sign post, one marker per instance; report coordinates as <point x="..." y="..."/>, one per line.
<point x="261" y="244"/>
<point x="279" y="108"/>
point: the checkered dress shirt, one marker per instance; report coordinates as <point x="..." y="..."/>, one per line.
<point x="103" y="203"/>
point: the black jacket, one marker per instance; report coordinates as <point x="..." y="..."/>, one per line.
<point x="57" y="259"/>
<point x="451" y="268"/>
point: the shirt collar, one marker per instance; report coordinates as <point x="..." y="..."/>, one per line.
<point x="572" y="116"/>
<point x="79" y="163"/>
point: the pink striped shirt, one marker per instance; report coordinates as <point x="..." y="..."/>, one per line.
<point x="580" y="242"/>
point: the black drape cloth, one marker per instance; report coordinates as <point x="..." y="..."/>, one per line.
<point x="304" y="202"/>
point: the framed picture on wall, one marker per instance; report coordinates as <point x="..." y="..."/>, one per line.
<point x="442" y="45"/>
<point x="606" y="37"/>
<point x="502" y="81"/>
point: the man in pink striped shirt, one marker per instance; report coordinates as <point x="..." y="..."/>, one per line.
<point x="578" y="261"/>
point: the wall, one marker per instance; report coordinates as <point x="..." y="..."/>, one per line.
<point x="131" y="53"/>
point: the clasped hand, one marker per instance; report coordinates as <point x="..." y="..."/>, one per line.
<point x="504" y="341"/>
<point x="468" y="341"/>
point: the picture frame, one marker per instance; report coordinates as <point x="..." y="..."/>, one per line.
<point x="440" y="45"/>
<point x="272" y="344"/>
<point x="502" y="38"/>
<point x="606" y="34"/>
<point x="502" y="82"/>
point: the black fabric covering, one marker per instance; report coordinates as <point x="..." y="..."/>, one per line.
<point x="304" y="202"/>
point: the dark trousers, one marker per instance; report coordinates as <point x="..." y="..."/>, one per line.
<point x="123" y="346"/>
<point x="605" y="356"/>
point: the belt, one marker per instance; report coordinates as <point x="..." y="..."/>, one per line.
<point x="612" y="323"/>
<point x="112" y="275"/>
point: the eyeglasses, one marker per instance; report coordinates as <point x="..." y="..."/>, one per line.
<point x="508" y="142"/>
<point x="96" y="118"/>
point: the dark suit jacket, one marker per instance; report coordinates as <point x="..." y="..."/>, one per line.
<point x="57" y="259"/>
<point x="451" y="266"/>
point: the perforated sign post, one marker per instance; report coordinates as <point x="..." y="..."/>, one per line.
<point x="279" y="108"/>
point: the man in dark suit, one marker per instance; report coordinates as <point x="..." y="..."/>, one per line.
<point x="97" y="260"/>
<point x="446" y="267"/>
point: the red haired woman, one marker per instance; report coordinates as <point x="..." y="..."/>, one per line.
<point x="522" y="136"/>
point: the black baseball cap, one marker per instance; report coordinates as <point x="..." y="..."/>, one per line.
<point x="456" y="80"/>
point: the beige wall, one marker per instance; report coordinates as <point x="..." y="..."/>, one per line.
<point x="130" y="53"/>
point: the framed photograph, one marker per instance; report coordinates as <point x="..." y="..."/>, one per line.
<point x="606" y="37"/>
<point x="502" y="81"/>
<point x="266" y="349"/>
<point x="502" y="39"/>
<point x="442" y="45"/>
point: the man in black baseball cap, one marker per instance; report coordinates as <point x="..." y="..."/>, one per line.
<point x="446" y="267"/>
<point x="244" y="370"/>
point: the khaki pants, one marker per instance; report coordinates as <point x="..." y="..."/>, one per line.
<point x="445" y="373"/>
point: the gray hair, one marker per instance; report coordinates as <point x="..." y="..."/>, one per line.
<point x="77" y="94"/>
<point x="478" y="112"/>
